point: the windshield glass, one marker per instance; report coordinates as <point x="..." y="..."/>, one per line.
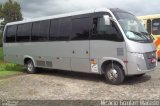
<point x="133" y="28"/>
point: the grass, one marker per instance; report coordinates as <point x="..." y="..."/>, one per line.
<point x="8" y="69"/>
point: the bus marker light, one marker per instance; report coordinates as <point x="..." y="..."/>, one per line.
<point x="93" y="61"/>
<point x="125" y="61"/>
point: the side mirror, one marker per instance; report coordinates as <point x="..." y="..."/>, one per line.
<point x="107" y="20"/>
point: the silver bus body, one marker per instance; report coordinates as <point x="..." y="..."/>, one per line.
<point x="89" y="55"/>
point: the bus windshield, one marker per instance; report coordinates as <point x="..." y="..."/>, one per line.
<point x="132" y="27"/>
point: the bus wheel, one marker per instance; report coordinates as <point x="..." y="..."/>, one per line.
<point x="114" y="74"/>
<point x="30" y="67"/>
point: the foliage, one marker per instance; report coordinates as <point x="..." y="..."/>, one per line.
<point x="10" y="67"/>
<point x="1" y="16"/>
<point x="1" y="11"/>
<point x="10" y="11"/>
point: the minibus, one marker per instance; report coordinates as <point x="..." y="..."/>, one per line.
<point x="111" y="42"/>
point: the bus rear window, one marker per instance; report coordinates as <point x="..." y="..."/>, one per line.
<point x="156" y="27"/>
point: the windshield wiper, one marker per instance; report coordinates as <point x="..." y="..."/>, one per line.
<point x="150" y="36"/>
<point x="137" y="33"/>
<point x="146" y="33"/>
<point x="142" y="35"/>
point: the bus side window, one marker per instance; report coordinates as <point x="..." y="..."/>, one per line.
<point x="149" y="26"/>
<point x="24" y="32"/>
<point x="60" y="29"/>
<point x="64" y="29"/>
<point x="11" y="33"/>
<point x="156" y="26"/>
<point x="54" y="27"/>
<point x="81" y="28"/>
<point x="40" y="30"/>
<point x="105" y="32"/>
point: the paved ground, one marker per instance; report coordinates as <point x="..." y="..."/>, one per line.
<point x="54" y="85"/>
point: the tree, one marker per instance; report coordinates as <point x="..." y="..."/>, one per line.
<point x="11" y="11"/>
<point x="0" y="25"/>
<point x="1" y="14"/>
<point x="0" y="10"/>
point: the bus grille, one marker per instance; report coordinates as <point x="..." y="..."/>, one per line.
<point x="148" y="58"/>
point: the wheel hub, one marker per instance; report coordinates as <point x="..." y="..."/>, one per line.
<point x="30" y="67"/>
<point x="112" y="74"/>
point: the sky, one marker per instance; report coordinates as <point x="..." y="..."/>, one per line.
<point x="41" y="8"/>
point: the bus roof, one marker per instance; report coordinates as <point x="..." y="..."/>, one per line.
<point x="61" y="16"/>
<point x="149" y="16"/>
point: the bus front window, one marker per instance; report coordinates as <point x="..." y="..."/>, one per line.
<point x="156" y="27"/>
<point x="132" y="27"/>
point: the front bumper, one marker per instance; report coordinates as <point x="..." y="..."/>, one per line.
<point x="138" y="65"/>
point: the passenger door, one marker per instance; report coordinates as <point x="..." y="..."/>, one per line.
<point x="59" y="34"/>
<point x="80" y="60"/>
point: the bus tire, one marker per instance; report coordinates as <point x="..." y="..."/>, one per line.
<point x="30" y="67"/>
<point x="114" y="74"/>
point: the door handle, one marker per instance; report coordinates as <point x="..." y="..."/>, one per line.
<point x="58" y="58"/>
<point x="73" y="51"/>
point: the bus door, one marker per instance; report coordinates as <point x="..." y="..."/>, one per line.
<point x="80" y="44"/>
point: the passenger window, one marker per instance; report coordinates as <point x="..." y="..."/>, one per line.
<point x="60" y="29"/>
<point x="149" y="26"/>
<point x="81" y="29"/>
<point x="54" y="29"/>
<point x="11" y="33"/>
<point x="40" y="31"/>
<point x="156" y="27"/>
<point x="24" y="32"/>
<point x="105" y="32"/>
<point x="64" y="29"/>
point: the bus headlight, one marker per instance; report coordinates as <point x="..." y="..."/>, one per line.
<point x="139" y="55"/>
